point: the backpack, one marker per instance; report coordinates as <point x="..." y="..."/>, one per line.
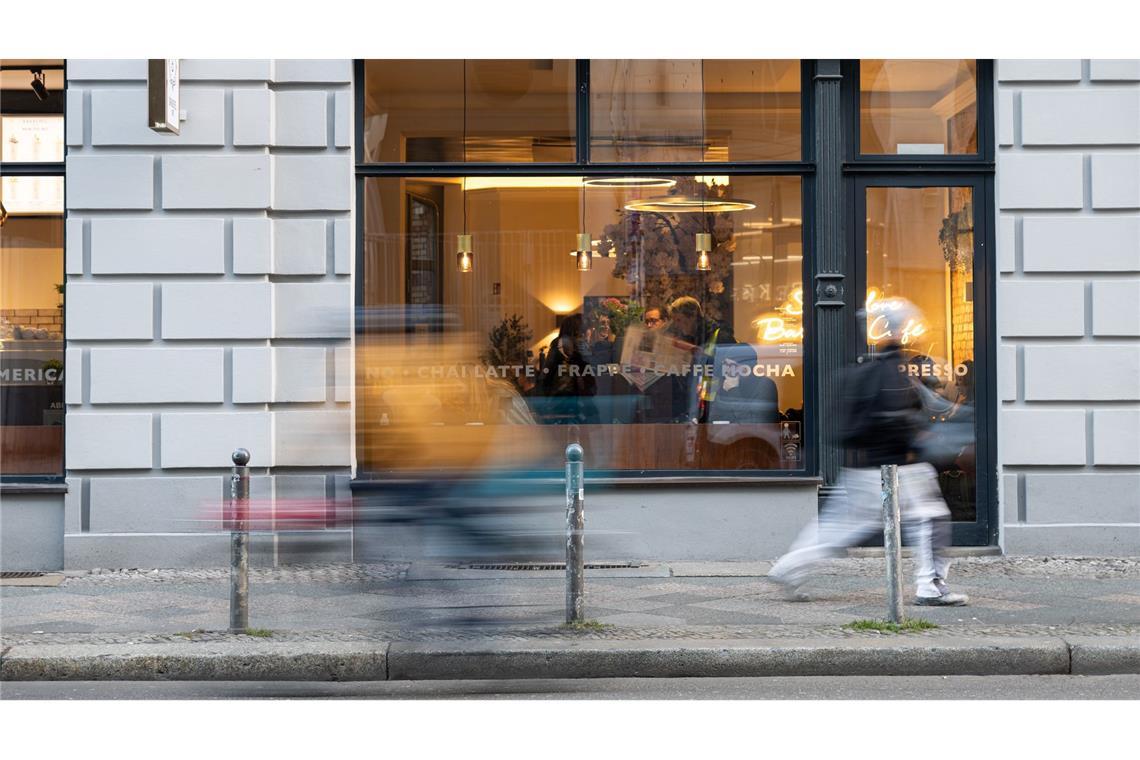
<point x="876" y="405"/>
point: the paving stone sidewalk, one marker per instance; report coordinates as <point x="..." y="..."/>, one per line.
<point x="1009" y="596"/>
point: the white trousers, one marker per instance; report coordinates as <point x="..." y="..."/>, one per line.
<point x="845" y="522"/>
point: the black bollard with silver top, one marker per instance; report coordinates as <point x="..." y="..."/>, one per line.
<point x="575" y="525"/>
<point x="239" y="543"/>
<point x="892" y="547"/>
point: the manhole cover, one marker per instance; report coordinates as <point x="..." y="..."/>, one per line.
<point x="21" y="574"/>
<point x="549" y="566"/>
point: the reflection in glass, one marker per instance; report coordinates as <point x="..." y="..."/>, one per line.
<point x="32" y="101"/>
<point x="517" y="111"/>
<point x="918" y="107"/>
<point x="650" y="361"/>
<point x="693" y="110"/>
<point x="31" y="138"/>
<point x="920" y="248"/>
<point x="31" y="334"/>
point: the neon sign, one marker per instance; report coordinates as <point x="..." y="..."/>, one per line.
<point x="877" y="322"/>
<point x="784" y="325"/>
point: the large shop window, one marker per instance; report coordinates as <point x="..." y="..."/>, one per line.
<point x="502" y="111"/>
<point x="31" y="269"/>
<point x="694" y="111"/>
<point x="657" y="320"/>
<point x="918" y="107"/>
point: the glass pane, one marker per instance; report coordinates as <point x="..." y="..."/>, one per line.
<point x="918" y="107"/>
<point x="31" y="334"/>
<point x="920" y="247"/>
<point x="689" y="110"/>
<point x="517" y="111"/>
<point x="31" y="96"/>
<point x="655" y="356"/>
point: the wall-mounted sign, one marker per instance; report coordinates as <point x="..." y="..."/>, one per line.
<point x="163" y="107"/>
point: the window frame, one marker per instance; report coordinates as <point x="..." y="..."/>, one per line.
<point x="857" y="161"/>
<point x="916" y="170"/>
<point x="805" y="169"/>
<point x="48" y="169"/>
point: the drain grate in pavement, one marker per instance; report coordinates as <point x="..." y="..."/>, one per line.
<point x="30" y="578"/>
<point x="548" y="566"/>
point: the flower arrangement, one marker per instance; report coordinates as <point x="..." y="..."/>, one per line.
<point x="621" y="314"/>
<point x="656" y="251"/>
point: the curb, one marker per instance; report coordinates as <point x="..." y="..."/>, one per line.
<point x="372" y="661"/>
<point x="710" y="658"/>
<point x="196" y="661"/>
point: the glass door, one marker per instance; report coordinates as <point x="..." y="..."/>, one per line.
<point x="917" y="247"/>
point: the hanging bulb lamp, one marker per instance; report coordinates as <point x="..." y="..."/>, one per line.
<point x="704" y="248"/>
<point x="464" y="251"/>
<point x="465" y="256"/>
<point x="584" y="252"/>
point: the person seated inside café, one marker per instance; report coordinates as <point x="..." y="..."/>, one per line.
<point x="565" y="388"/>
<point x="740" y="395"/>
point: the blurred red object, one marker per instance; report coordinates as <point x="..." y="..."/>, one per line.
<point x="287" y="514"/>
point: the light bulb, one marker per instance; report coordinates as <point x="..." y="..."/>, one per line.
<point x="464" y="258"/>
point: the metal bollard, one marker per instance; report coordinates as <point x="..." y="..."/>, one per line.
<point x="239" y="543"/>
<point x="575" y="524"/>
<point x="892" y="547"/>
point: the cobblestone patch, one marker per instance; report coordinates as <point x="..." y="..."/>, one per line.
<point x="328" y="573"/>
<point x="963" y="567"/>
<point x="1036" y="567"/>
<point x="610" y="633"/>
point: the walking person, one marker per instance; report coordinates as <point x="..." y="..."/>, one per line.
<point x="881" y="423"/>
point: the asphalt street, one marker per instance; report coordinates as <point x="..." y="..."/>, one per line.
<point x="825" y="688"/>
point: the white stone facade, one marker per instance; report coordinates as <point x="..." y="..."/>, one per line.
<point x="1068" y="306"/>
<point x="209" y="301"/>
<point x="210" y="291"/>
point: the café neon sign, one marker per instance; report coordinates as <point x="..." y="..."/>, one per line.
<point x="877" y="324"/>
<point x="783" y="326"/>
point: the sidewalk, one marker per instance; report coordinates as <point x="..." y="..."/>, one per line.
<point x="395" y="621"/>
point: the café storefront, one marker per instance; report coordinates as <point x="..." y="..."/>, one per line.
<point x="717" y="238"/>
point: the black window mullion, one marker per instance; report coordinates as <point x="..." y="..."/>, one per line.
<point x="567" y="170"/>
<point x="582" y="112"/>
<point x="358" y="71"/>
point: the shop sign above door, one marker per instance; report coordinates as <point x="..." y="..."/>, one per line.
<point x="163" y="109"/>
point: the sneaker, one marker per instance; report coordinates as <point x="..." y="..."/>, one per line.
<point x="791" y="591"/>
<point x="945" y="599"/>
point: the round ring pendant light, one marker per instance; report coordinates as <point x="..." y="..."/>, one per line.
<point x="631" y="182"/>
<point x="680" y="204"/>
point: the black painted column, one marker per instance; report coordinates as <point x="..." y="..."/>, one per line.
<point x="831" y="317"/>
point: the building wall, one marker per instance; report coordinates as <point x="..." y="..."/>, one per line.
<point x="1068" y="305"/>
<point x="209" y="302"/>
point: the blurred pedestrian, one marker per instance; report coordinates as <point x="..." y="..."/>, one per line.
<point x="881" y="422"/>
